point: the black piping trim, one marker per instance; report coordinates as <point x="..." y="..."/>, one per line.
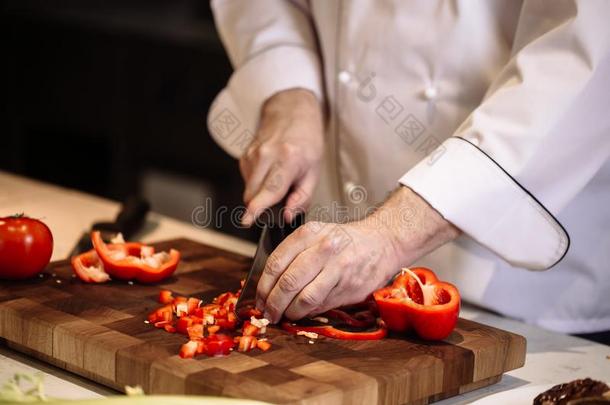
<point x="527" y="191"/>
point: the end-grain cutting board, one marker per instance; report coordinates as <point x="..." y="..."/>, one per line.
<point x="98" y="331"/>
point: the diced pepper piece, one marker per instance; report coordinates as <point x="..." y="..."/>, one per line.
<point x="247" y="343"/>
<point x="195" y="332"/>
<point x="192" y="304"/>
<point x="188" y="350"/>
<point x="201" y="346"/>
<point x="161" y="324"/>
<point x="219" y="345"/>
<point x="264" y="345"/>
<point x="332" y="332"/>
<point x="226" y="324"/>
<point x="165" y="297"/>
<point x="249" y="329"/>
<point x="183" y="324"/>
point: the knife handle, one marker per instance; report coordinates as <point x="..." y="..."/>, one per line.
<point x="275" y="219"/>
<point x="132" y="215"/>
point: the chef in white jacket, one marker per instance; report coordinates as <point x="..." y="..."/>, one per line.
<point x="471" y="137"/>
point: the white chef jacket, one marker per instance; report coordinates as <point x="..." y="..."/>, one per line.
<point x="497" y="113"/>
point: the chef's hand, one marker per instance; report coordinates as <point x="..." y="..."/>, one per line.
<point x="324" y="266"/>
<point x="286" y="152"/>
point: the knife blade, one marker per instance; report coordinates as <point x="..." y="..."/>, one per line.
<point x="128" y="221"/>
<point x="273" y="233"/>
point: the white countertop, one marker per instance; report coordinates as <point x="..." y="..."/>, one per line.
<point x="552" y="358"/>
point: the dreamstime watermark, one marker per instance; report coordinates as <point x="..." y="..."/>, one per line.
<point x="356" y="194"/>
<point x="208" y="216"/>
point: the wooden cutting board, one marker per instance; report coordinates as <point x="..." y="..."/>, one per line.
<point x="98" y="331"/>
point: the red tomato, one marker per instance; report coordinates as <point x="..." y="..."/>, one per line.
<point x="26" y="245"/>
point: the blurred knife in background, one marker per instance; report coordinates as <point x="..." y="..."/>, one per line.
<point x="129" y="220"/>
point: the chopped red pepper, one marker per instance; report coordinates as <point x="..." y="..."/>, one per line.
<point x="418" y="300"/>
<point x="183" y="324"/>
<point x="165" y="297"/>
<point x="135" y="261"/>
<point x="362" y="319"/>
<point x="201" y="347"/>
<point x="164" y="313"/>
<point x="264" y="345"/>
<point x="249" y="329"/>
<point x="202" y="324"/>
<point x="332" y="332"/>
<point x="161" y="324"/>
<point x="188" y="350"/>
<point x="195" y="332"/>
<point x="247" y="343"/>
<point x="226" y="324"/>
<point x="219" y="345"/>
<point x="192" y="304"/>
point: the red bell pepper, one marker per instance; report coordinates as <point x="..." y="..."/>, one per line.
<point x="195" y="332"/>
<point x="202" y="324"/>
<point x="165" y="297"/>
<point x="183" y="324"/>
<point x="219" y="345"/>
<point x="89" y="268"/>
<point x="246" y="343"/>
<point x="189" y="349"/>
<point x="418" y="300"/>
<point x="264" y="345"/>
<point x="132" y="261"/>
<point x="249" y="330"/>
<point x="332" y="332"/>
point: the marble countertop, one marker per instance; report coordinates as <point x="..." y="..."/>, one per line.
<point x="552" y="358"/>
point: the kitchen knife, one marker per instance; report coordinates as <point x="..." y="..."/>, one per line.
<point x="273" y="233"/>
<point x="128" y="221"/>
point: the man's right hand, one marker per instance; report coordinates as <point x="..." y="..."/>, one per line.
<point x="285" y="154"/>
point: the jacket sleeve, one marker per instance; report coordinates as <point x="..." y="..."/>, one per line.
<point x="272" y="47"/>
<point x="540" y="134"/>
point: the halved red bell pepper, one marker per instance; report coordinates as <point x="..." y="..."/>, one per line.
<point x="418" y="300"/>
<point x="127" y="261"/>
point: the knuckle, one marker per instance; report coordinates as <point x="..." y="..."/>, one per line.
<point x="250" y="152"/>
<point x="327" y="245"/>
<point x="288" y="283"/>
<point x="345" y="261"/>
<point x="273" y="267"/>
<point x="265" y="150"/>
<point x="351" y="284"/>
<point x="272" y="308"/>
<point x="308" y="299"/>
<point x="289" y="149"/>
<point x="310" y="228"/>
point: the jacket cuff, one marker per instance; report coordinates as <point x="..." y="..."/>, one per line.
<point x="469" y="189"/>
<point x="234" y="114"/>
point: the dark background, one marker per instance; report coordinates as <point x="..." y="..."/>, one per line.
<point x="111" y="97"/>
